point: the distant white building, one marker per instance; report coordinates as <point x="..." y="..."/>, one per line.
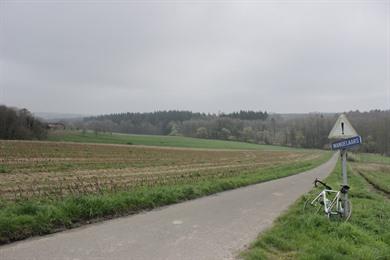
<point x="56" y="126"/>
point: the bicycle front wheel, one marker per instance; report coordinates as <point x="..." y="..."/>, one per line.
<point x="312" y="207"/>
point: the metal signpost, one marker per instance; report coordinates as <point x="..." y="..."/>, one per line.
<point x="347" y="138"/>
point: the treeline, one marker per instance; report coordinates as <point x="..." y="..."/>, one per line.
<point x="247" y="115"/>
<point x="157" y="123"/>
<point x="160" y="122"/>
<point x="20" y="124"/>
<point x="374" y="127"/>
<point x="300" y="130"/>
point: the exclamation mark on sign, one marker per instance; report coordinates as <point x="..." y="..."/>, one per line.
<point x="342" y="127"/>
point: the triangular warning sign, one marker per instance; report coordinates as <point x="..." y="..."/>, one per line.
<point x="342" y="129"/>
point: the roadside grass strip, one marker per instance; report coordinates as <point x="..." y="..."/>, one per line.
<point x="302" y="235"/>
<point x="26" y="218"/>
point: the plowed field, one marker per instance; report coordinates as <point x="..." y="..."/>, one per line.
<point x="44" y="169"/>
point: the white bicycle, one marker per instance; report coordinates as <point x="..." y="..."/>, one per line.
<point x="331" y="201"/>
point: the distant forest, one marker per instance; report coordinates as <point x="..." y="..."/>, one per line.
<point x="295" y="130"/>
<point x="20" y="124"/>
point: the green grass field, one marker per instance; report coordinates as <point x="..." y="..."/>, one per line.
<point x="156" y="140"/>
<point x="379" y="178"/>
<point x="301" y="235"/>
<point x="369" y="158"/>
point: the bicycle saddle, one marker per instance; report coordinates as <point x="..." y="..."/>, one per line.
<point x="344" y="188"/>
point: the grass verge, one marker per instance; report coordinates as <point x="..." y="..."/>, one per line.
<point x="19" y="220"/>
<point x="299" y="235"/>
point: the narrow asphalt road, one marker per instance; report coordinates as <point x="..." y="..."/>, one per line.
<point x="213" y="227"/>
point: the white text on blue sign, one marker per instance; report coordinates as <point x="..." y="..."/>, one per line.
<point x="346" y="143"/>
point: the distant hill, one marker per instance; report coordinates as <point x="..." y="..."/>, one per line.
<point x="289" y="129"/>
<point x="50" y="116"/>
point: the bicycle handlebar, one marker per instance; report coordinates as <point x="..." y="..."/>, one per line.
<point x="322" y="183"/>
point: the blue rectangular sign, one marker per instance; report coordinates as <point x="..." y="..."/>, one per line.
<point x="346" y="143"/>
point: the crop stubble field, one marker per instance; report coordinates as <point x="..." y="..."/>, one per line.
<point x="51" y="186"/>
<point x="46" y="169"/>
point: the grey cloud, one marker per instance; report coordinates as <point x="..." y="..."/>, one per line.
<point x="101" y="57"/>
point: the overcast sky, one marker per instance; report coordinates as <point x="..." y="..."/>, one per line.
<point x="93" y="57"/>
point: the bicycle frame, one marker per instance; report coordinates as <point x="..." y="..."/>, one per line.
<point x="329" y="204"/>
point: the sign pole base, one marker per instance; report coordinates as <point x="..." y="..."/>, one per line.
<point x="345" y="182"/>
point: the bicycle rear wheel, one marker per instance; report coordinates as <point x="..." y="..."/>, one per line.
<point x="339" y="212"/>
<point x="348" y="216"/>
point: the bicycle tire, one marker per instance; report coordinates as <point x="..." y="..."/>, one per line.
<point x="350" y="211"/>
<point x="340" y="215"/>
<point x="311" y="208"/>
